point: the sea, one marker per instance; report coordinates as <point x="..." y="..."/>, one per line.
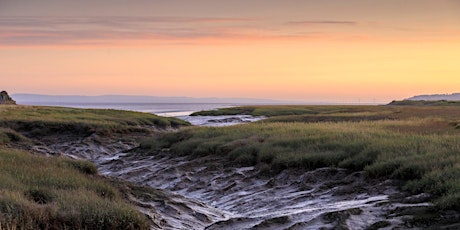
<point x="179" y="110"/>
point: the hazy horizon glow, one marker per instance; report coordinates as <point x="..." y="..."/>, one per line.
<point x="296" y="50"/>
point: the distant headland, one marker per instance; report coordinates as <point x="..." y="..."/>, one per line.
<point x="436" y="97"/>
<point x="431" y="100"/>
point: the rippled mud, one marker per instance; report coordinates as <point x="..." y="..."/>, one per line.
<point x="207" y="193"/>
<point x="227" y="120"/>
<point x="293" y="199"/>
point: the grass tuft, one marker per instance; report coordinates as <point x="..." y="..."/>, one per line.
<point x="84" y="166"/>
<point x="40" y="196"/>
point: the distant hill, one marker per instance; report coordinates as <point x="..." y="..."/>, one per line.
<point x="436" y="97"/>
<point x="37" y="99"/>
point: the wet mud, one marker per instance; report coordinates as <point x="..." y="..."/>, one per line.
<point x="207" y="193"/>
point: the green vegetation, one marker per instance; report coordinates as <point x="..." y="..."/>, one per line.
<point x="416" y="144"/>
<point x="392" y="111"/>
<point x="38" y="121"/>
<point x="38" y="192"/>
<point x="289" y="110"/>
<point x="259" y="111"/>
<point x="9" y="135"/>
<point x="426" y="103"/>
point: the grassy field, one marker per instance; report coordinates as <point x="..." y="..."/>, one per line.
<point x="417" y="144"/>
<point x="36" y="120"/>
<point x="38" y="192"/>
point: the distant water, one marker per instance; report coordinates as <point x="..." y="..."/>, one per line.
<point x="161" y="109"/>
<point x="220" y="120"/>
<point x="179" y="110"/>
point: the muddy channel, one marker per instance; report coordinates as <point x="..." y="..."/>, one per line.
<point x="206" y="193"/>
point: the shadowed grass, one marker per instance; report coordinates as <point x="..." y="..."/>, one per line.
<point x="9" y="136"/>
<point x="55" y="193"/>
<point x="415" y="144"/>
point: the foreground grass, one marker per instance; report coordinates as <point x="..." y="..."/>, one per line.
<point x="419" y="145"/>
<point x="55" y="193"/>
<point x="38" y="192"/>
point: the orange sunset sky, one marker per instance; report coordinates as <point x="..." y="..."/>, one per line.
<point x="308" y="50"/>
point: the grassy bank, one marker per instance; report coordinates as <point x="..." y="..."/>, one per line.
<point x="38" y="192"/>
<point x="36" y="120"/>
<point x="420" y="145"/>
<point x="260" y="111"/>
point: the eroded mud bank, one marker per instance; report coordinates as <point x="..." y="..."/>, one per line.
<point x="207" y="193"/>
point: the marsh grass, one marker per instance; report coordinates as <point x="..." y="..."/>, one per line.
<point x="277" y="110"/>
<point x="426" y="103"/>
<point x="41" y="121"/>
<point x="337" y="113"/>
<point x="419" y="145"/>
<point x="39" y="192"/>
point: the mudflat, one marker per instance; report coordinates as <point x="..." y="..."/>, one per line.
<point x="303" y="167"/>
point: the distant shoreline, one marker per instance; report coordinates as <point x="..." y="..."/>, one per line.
<point x="161" y="109"/>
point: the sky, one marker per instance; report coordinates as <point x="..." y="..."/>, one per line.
<point x="347" y="51"/>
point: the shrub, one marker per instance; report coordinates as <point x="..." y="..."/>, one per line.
<point x="40" y="196"/>
<point x="244" y="155"/>
<point x="84" y="166"/>
<point x="9" y="135"/>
